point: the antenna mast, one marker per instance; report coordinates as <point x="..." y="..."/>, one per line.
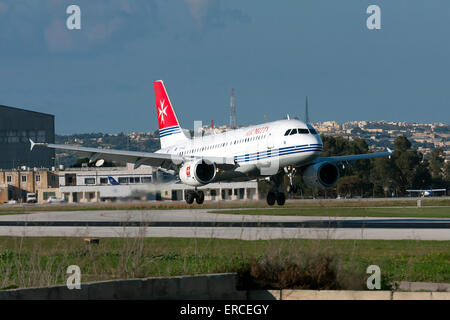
<point x="306" y="110"/>
<point x="233" y="124"/>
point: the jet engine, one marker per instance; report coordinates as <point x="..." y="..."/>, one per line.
<point x="321" y="175"/>
<point x="198" y="172"/>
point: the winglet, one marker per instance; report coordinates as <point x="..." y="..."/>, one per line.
<point x="390" y="152"/>
<point x="32" y="144"/>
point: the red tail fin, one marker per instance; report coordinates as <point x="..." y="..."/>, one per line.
<point x="169" y="128"/>
<point x="166" y="116"/>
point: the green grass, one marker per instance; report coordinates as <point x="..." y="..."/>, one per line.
<point x="26" y="262"/>
<point x="414" y="212"/>
<point x="368" y="207"/>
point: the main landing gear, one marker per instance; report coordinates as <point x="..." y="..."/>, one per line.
<point x="276" y="194"/>
<point x="196" y="195"/>
<point x="279" y="197"/>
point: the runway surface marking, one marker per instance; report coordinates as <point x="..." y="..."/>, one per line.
<point x="378" y="223"/>
<point x="201" y="223"/>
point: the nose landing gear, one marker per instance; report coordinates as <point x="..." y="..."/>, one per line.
<point x="291" y="188"/>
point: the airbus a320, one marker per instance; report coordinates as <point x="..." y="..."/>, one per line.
<point x="270" y="150"/>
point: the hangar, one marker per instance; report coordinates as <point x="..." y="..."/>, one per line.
<point x="16" y="127"/>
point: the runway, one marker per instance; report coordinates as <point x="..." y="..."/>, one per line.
<point x="200" y="223"/>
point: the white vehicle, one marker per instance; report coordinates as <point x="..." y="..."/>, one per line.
<point x="31" y="198"/>
<point x="267" y="150"/>
<point x="53" y="199"/>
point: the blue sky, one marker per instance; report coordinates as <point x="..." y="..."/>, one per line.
<point x="99" y="78"/>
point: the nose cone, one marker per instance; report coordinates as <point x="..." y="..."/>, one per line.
<point x="317" y="139"/>
<point x="315" y="143"/>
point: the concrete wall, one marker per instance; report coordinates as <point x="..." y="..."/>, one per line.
<point x="201" y="287"/>
<point x="344" y="295"/>
<point x="206" y="287"/>
<point x="423" y="286"/>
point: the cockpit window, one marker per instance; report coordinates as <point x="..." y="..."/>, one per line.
<point x="291" y="132"/>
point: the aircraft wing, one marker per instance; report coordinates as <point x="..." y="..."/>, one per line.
<point x="427" y="190"/>
<point x="163" y="160"/>
<point x="354" y="157"/>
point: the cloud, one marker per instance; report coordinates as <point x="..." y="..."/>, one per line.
<point x="105" y="30"/>
<point x="198" y="9"/>
<point x="31" y="26"/>
<point x="210" y="14"/>
<point x="57" y="37"/>
<point x="3" y="7"/>
<point x="39" y="27"/>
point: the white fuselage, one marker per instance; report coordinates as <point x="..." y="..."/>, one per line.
<point x="259" y="150"/>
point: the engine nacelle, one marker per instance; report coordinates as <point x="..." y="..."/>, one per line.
<point x="197" y="173"/>
<point x="321" y="175"/>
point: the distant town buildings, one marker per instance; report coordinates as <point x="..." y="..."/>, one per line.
<point x="381" y="134"/>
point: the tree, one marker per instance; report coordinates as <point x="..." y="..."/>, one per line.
<point x="447" y="171"/>
<point x="350" y="185"/>
<point x="385" y="175"/>
<point x="437" y="159"/>
<point x="402" y="143"/>
<point x="406" y="160"/>
<point x="421" y="177"/>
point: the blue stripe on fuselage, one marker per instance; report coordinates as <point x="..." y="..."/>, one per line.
<point x="274" y="153"/>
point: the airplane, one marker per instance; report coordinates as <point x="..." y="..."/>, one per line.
<point x="425" y="192"/>
<point x="269" y="150"/>
<point x="113" y="181"/>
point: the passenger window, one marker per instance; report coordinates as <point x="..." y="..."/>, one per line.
<point x="303" y="131"/>
<point x="294" y="131"/>
<point x="287" y="132"/>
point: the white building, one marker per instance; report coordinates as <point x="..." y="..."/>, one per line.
<point x="94" y="184"/>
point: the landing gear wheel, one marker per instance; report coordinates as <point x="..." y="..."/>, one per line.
<point x="281" y="199"/>
<point x="200" y="197"/>
<point x="271" y="198"/>
<point x="190" y="197"/>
